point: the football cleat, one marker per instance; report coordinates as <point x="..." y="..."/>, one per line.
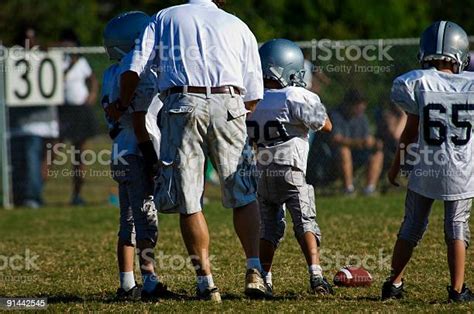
<point x="389" y="291"/>
<point x="134" y="294"/>
<point x="320" y="286"/>
<point x="255" y="286"/>
<point x="209" y="294"/>
<point x="464" y="296"/>
<point x="160" y="292"/>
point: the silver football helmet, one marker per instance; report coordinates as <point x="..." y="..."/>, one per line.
<point x="122" y="31"/>
<point x="283" y="61"/>
<point x="446" y="41"/>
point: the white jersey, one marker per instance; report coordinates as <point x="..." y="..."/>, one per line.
<point x="198" y="44"/>
<point x="145" y="100"/>
<point x="281" y="123"/>
<point x="442" y="160"/>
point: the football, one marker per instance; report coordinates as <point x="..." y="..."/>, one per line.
<point x="351" y="276"/>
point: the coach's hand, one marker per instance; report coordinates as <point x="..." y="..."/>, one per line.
<point x="393" y="175"/>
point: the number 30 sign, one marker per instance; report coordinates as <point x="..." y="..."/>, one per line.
<point x="34" y="78"/>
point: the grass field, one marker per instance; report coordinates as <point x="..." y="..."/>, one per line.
<point x="74" y="250"/>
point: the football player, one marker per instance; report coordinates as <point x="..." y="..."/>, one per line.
<point x="279" y="128"/>
<point x="439" y="101"/>
<point x="136" y="138"/>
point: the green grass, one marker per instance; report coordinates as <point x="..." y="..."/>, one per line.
<point x="77" y="269"/>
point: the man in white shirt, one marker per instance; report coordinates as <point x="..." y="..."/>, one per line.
<point x="210" y="76"/>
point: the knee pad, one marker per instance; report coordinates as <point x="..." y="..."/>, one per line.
<point x="147" y="226"/>
<point x="457" y="230"/>
<point x="412" y="231"/>
<point x="274" y="233"/>
<point x="127" y="235"/>
<point x="307" y="226"/>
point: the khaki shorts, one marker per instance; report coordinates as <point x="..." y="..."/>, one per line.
<point x="195" y="128"/>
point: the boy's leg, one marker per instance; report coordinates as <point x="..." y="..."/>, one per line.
<point x="457" y="235"/>
<point x="302" y="208"/>
<point x="125" y="246"/>
<point x="309" y="246"/>
<point x="272" y="226"/>
<point x="417" y="211"/>
<point x="402" y="253"/>
<point x="145" y="220"/>
<point x="457" y="261"/>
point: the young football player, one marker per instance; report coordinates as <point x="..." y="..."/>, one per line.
<point x="134" y="160"/>
<point x="279" y="128"/>
<point x="439" y="101"/>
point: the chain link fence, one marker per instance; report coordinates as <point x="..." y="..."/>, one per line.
<point x="334" y="68"/>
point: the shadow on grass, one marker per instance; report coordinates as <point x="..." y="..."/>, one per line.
<point x="360" y="298"/>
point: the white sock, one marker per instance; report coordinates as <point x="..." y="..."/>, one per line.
<point x="150" y="280"/>
<point x="268" y="278"/>
<point x="315" y="270"/>
<point x="370" y="188"/>
<point x="127" y="280"/>
<point x="397" y="285"/>
<point x="205" y="282"/>
<point x="350" y="188"/>
<point x="254" y="262"/>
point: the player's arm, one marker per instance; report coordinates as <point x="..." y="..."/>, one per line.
<point x="251" y="105"/>
<point x="144" y="142"/>
<point x="409" y="136"/>
<point x="135" y="64"/>
<point x="129" y="81"/>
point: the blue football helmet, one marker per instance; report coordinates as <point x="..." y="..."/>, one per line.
<point x="283" y="61"/>
<point x="122" y="31"/>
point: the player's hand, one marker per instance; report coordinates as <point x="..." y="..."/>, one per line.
<point x="113" y="112"/>
<point x="393" y="175"/>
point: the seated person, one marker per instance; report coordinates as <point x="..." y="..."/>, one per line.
<point x="352" y="145"/>
<point x="390" y="122"/>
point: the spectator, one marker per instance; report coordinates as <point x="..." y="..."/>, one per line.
<point x="390" y="123"/>
<point x="77" y="120"/>
<point x="352" y="144"/>
<point x="30" y="127"/>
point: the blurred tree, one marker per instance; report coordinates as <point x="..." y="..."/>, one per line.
<point x="49" y="18"/>
<point x="297" y="20"/>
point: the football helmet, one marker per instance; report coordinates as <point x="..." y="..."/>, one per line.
<point x="283" y="61"/>
<point x="122" y="31"/>
<point x="446" y="41"/>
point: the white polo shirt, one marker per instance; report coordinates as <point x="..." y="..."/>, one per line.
<point x="75" y="84"/>
<point x="198" y="44"/>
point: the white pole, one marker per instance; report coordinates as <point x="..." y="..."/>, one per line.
<point x="4" y="141"/>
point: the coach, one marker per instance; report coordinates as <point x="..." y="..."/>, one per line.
<point x="210" y="76"/>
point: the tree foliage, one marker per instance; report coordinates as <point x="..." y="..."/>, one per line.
<point x="294" y="19"/>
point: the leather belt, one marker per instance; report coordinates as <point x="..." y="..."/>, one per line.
<point x="203" y="90"/>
